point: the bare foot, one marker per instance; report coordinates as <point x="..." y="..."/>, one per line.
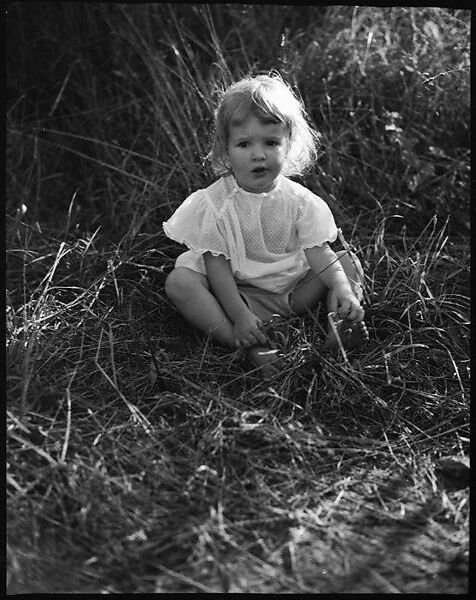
<point x="351" y="334"/>
<point x="268" y="360"/>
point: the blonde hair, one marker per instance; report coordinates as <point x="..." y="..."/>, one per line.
<point x="270" y="100"/>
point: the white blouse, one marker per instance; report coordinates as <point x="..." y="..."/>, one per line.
<point x="262" y="235"/>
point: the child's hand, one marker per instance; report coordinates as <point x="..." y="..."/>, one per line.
<point x="344" y="303"/>
<point x="247" y="330"/>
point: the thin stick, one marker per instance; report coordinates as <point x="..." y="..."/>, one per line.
<point x="348" y="250"/>
<point x="68" y="426"/>
<point x="185" y="579"/>
<point x="68" y="416"/>
<point x="36" y="449"/>
<point x="332" y="322"/>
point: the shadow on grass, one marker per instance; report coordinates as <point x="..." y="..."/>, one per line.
<point x="410" y="555"/>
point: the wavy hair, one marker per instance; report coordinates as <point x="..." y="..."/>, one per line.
<point x="269" y="99"/>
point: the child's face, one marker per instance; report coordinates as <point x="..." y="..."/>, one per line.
<point x="256" y="152"/>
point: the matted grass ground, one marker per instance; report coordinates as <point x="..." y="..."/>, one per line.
<point x="144" y="458"/>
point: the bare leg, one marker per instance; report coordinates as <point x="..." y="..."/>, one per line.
<point x="190" y="293"/>
<point x="312" y="290"/>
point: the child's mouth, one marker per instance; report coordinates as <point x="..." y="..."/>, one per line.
<point x="259" y="170"/>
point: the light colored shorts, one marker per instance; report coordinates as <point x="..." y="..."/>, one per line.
<point x="265" y="304"/>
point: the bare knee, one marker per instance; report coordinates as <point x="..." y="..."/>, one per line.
<point x="181" y="282"/>
<point x="177" y="285"/>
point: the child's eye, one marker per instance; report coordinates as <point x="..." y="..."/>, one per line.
<point x="242" y="144"/>
<point x="272" y="143"/>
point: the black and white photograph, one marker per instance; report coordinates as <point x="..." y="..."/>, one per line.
<point x="237" y="265"/>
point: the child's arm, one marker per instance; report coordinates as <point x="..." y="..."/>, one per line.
<point x="342" y="300"/>
<point x="245" y="323"/>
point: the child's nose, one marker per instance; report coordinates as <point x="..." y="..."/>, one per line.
<point x="258" y="152"/>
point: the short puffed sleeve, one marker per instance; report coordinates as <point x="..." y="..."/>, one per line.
<point x="195" y="224"/>
<point x="315" y="223"/>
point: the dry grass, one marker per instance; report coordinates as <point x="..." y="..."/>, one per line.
<point x="142" y="457"/>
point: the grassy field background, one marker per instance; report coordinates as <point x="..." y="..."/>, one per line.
<point x="143" y="458"/>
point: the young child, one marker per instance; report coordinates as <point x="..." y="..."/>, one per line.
<point x="258" y="241"/>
